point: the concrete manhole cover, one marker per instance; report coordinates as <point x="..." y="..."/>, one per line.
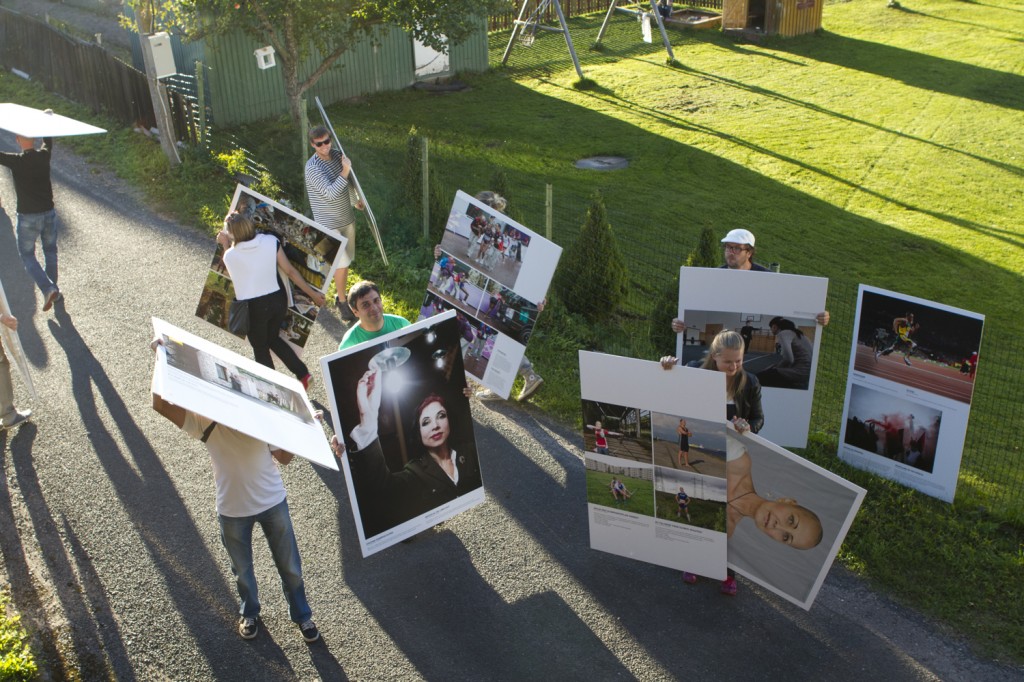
<point x="603" y="163"/>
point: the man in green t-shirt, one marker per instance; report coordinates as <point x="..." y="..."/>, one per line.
<point x="364" y="300"/>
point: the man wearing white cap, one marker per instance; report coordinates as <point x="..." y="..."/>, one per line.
<point x="739" y="251"/>
<point x="739" y="255"/>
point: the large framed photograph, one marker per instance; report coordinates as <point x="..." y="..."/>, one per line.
<point x="787" y="517"/>
<point x="908" y="395"/>
<point x="239" y="393"/>
<point x="29" y="122"/>
<point x="309" y="247"/>
<point x="775" y="315"/>
<point x="654" y="444"/>
<point x="399" y="406"/>
<point x="495" y="273"/>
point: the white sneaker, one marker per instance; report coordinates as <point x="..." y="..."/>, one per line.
<point x="486" y="394"/>
<point x="248" y="628"/>
<point x="533" y="382"/>
<point x="20" y="417"/>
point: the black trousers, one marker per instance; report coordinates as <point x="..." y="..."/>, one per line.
<point x="266" y="314"/>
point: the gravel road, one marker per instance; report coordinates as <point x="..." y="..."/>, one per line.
<point x="110" y="540"/>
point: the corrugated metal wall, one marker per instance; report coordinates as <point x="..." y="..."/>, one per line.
<point x="241" y="92"/>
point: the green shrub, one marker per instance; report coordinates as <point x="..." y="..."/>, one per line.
<point x="707" y="254"/>
<point x="591" y="278"/>
<point x="16" y="659"/>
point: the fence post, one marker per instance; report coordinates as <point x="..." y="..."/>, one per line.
<point x="549" y="209"/>
<point x="303" y="129"/>
<point x="425" y="172"/>
<point x="157" y="93"/>
<point x="201" y="102"/>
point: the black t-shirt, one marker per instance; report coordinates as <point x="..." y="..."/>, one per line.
<point x="31" y="172"/>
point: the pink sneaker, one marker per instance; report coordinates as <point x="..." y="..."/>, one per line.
<point x="689" y="578"/>
<point x="728" y="587"/>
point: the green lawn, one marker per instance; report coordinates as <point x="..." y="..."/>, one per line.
<point x="599" y="492"/>
<point x="703" y="513"/>
<point x="885" y="149"/>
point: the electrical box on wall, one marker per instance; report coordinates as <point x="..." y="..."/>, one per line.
<point x="265" y="57"/>
<point x="163" y="55"/>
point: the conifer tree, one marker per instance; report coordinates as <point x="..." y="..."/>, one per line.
<point x="591" y="278"/>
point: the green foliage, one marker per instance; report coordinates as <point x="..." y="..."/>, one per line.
<point x="591" y="278"/>
<point x="707" y="254"/>
<point x="16" y="659"/>
<point x="501" y="185"/>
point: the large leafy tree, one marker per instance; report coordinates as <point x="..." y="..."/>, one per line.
<point x="303" y="31"/>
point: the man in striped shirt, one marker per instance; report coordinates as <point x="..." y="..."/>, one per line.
<point x="331" y="197"/>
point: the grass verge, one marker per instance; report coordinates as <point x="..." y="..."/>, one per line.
<point x="16" y="659"/>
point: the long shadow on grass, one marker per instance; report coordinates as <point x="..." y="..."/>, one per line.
<point x="1010" y="236"/>
<point x="913" y="68"/>
<point x="972" y="24"/>
<point x="999" y="7"/>
<point x="764" y="92"/>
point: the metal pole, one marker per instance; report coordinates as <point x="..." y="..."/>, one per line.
<point x="549" y="205"/>
<point x="607" y="18"/>
<point x="661" y="27"/>
<point x="201" y="102"/>
<point x="425" y="171"/>
<point x="568" y="38"/>
<point x="517" y="27"/>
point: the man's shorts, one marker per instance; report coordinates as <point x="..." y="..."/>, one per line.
<point x="349" y="233"/>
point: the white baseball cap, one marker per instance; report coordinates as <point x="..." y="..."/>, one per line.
<point x="739" y="236"/>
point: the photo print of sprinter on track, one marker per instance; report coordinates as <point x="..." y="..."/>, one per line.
<point x="908" y="395"/>
<point x="495" y="273"/>
<point x="237" y="392"/>
<point x="786" y="517"/>
<point x="410" y="457"/>
<point x="655" y="448"/>
<point x="783" y="356"/>
<point x="309" y="247"/>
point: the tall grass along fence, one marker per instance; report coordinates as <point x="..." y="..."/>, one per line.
<point x="637" y="322"/>
<point x="86" y="73"/>
<point x="571" y="8"/>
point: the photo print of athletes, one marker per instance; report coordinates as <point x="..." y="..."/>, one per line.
<point x="898" y="429"/>
<point x="238" y="392"/>
<point x="311" y="249"/>
<point x="913" y="363"/>
<point x="931" y="348"/>
<point x="654" y="444"/>
<point x="496" y="273"/>
<point x="778" y="350"/>
<point x="774" y="314"/>
<point x="410" y="457"/>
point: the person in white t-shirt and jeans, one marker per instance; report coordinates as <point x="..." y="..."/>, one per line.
<point x="249" y="492"/>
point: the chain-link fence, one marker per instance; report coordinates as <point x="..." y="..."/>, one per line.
<point x="636" y="323"/>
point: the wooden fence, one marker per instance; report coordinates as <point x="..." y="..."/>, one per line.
<point x="86" y="73"/>
<point x="572" y="8"/>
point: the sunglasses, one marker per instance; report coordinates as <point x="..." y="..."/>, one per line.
<point x="321" y="143"/>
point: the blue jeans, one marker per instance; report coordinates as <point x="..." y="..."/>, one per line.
<point x="33" y="227"/>
<point x="236" y="534"/>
